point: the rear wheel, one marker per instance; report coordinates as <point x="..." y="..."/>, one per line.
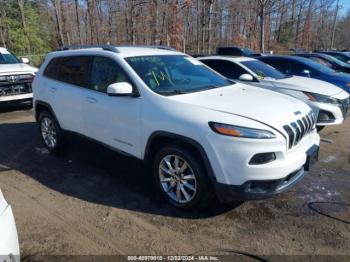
<point x="50" y="132"/>
<point x="180" y="177"/>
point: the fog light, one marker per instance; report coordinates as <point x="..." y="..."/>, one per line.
<point x="325" y="117"/>
<point x="262" y="158"/>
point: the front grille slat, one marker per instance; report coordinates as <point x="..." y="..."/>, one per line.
<point x="297" y="130"/>
<point x="15" y="84"/>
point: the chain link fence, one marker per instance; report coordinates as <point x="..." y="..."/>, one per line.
<point x="34" y="60"/>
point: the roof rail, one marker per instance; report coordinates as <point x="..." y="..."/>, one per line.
<point x="151" y="46"/>
<point x="75" y="47"/>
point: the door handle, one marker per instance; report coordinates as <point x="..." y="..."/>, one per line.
<point x="91" y="100"/>
<point x="53" y="89"/>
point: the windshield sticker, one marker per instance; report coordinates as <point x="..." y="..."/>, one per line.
<point x="193" y="60"/>
<point x="159" y="77"/>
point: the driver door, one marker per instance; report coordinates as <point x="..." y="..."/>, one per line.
<point x="112" y="120"/>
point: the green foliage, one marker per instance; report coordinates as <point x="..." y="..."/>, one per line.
<point x="287" y="35"/>
<point x="38" y="31"/>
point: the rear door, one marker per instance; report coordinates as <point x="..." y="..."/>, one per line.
<point x="67" y="79"/>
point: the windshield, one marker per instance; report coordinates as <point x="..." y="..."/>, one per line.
<point x="7" y="58"/>
<point x="249" y="51"/>
<point x="175" y="74"/>
<point x="263" y="70"/>
<point x="318" y="67"/>
<point x="337" y="61"/>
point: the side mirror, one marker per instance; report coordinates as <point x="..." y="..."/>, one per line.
<point x="246" y="77"/>
<point x="306" y="72"/>
<point x="120" y="89"/>
<point x="25" y="60"/>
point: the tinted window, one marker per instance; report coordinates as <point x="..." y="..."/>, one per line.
<point x="229" y="51"/>
<point x="279" y="64"/>
<point x="342" y="58"/>
<point x="226" y="68"/>
<point x="104" y="72"/>
<point x="320" y="61"/>
<point x="75" y="70"/>
<point x="299" y="68"/>
<point x="175" y="74"/>
<point x="8" y="58"/>
<point x="263" y="70"/>
<point x="52" y="68"/>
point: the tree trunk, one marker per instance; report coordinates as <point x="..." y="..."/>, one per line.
<point x="24" y="25"/>
<point x="210" y="10"/>
<point x="77" y="20"/>
<point x="56" y="5"/>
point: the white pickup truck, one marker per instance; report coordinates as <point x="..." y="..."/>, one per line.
<point x="16" y="78"/>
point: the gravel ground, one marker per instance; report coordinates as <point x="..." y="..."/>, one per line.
<point x="91" y="201"/>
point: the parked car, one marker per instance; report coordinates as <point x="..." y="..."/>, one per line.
<point x="9" y="247"/>
<point x="16" y="78"/>
<point x="236" y="51"/>
<point x="342" y="56"/>
<point x="327" y="60"/>
<point x="329" y="102"/>
<point x="197" y="131"/>
<point x="300" y="66"/>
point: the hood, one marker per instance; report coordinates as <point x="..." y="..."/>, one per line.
<point x="268" y="107"/>
<point x="19" y="68"/>
<point x="306" y="84"/>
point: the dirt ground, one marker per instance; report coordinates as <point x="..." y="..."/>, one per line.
<point x="91" y="201"/>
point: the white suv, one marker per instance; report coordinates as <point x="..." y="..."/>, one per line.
<point x="15" y="79"/>
<point x="197" y="131"/>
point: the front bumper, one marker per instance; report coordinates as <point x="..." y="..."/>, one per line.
<point x="232" y="174"/>
<point x="16" y="98"/>
<point x="9" y="247"/>
<point x="330" y="114"/>
<point x="261" y="189"/>
<point x="257" y="189"/>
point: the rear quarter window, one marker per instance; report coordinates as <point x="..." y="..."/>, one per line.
<point x="51" y="69"/>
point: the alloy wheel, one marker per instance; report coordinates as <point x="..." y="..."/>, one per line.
<point x="49" y="132"/>
<point x="177" y="179"/>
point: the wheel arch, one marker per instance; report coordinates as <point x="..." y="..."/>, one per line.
<point x="41" y="106"/>
<point x="159" y="138"/>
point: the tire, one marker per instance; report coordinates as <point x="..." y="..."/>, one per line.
<point x="50" y="132"/>
<point x="319" y="128"/>
<point x="188" y="188"/>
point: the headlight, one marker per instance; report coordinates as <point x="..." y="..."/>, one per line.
<point x="239" y="131"/>
<point x="321" y="98"/>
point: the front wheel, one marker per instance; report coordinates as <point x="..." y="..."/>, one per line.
<point x="180" y="177"/>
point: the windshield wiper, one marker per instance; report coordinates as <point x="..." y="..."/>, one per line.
<point x="173" y="92"/>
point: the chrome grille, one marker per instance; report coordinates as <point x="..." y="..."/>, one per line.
<point x="298" y="129"/>
<point x="15" y="84"/>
